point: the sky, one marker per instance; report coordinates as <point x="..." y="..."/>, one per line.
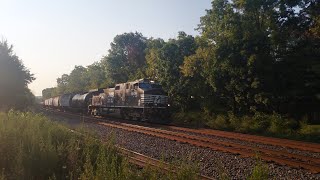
<point x="52" y="36"/>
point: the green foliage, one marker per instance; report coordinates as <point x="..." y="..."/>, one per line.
<point x="279" y="125"/>
<point x="164" y="61"/>
<point x="191" y="118"/>
<point x="219" y="122"/>
<point x="96" y="75"/>
<point x="260" y="171"/>
<point x="49" y="92"/>
<point x="62" y="87"/>
<point x="80" y="79"/>
<point x="34" y="148"/>
<point x="310" y="132"/>
<point x="239" y="59"/>
<point x="259" y="123"/>
<point x="14" y="80"/>
<point x="187" y="172"/>
<point x="259" y="55"/>
<point x="126" y="58"/>
<point x="77" y="80"/>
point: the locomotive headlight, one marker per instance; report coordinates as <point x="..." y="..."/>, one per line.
<point x="169" y="105"/>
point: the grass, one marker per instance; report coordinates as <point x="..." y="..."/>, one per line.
<point x="36" y="148"/>
<point x="33" y="147"/>
<point x="273" y="125"/>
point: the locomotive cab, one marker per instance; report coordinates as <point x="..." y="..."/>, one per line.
<point x="152" y="95"/>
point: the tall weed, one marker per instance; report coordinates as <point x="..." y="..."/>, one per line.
<point x="260" y="171"/>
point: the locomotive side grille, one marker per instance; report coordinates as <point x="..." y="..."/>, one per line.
<point x="154" y="99"/>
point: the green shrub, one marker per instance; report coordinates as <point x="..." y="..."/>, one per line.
<point x="310" y="132"/>
<point x="264" y="124"/>
<point x="221" y="122"/>
<point x="245" y="124"/>
<point x="234" y="121"/>
<point x="195" y="119"/>
<point x="282" y="126"/>
<point x="261" y="122"/>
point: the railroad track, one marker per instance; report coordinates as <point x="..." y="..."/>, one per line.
<point x="304" y="146"/>
<point x="311" y="164"/>
<point x="140" y="159"/>
<point x="143" y="161"/>
<point x="280" y="157"/>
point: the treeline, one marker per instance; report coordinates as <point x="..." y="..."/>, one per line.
<point x="14" y="80"/>
<point x="251" y="56"/>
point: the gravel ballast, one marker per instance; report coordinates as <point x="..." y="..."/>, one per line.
<point x="211" y="163"/>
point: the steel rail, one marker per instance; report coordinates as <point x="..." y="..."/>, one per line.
<point x="304" y="146"/>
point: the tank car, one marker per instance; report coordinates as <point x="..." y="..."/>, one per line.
<point x="81" y="102"/>
<point x="65" y="101"/>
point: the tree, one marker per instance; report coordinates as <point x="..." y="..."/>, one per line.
<point x="14" y="79"/>
<point x="96" y="75"/>
<point x="49" y="92"/>
<point x="235" y="53"/>
<point x="78" y="81"/>
<point x="259" y="55"/>
<point x="297" y="51"/>
<point x="62" y="84"/>
<point x="164" y="60"/>
<point x="126" y="58"/>
<point x="152" y="57"/>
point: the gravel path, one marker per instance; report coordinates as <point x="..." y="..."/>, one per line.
<point x="211" y="163"/>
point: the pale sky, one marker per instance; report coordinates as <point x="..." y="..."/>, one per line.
<point x="52" y="36"/>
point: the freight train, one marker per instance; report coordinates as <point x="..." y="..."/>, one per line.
<point x="137" y="100"/>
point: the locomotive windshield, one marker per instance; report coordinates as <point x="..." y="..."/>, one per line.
<point x="145" y="86"/>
